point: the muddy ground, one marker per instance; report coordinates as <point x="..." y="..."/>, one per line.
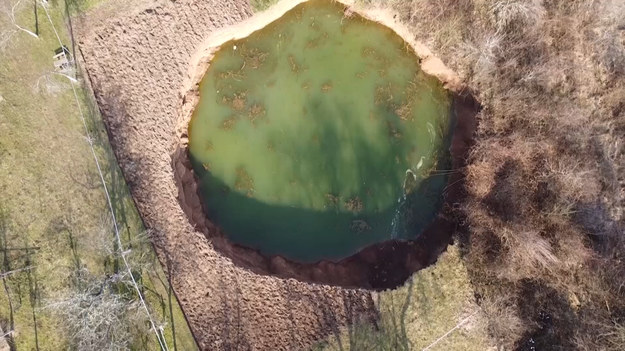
<point x="138" y="62"/>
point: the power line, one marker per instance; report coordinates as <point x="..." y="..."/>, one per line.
<point x="158" y="332"/>
<point x="450" y="331"/>
<point x="6" y="274"/>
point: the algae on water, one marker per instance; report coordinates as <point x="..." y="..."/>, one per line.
<point x="306" y="130"/>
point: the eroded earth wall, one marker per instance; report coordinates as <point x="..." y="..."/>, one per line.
<point x="136" y="61"/>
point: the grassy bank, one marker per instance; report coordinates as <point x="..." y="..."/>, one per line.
<point x="54" y="218"/>
<point x="435" y="309"/>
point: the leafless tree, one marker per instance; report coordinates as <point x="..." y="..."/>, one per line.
<point x="104" y="312"/>
<point x="100" y="314"/>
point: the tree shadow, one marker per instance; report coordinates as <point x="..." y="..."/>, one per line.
<point x="6" y="267"/>
<point x="123" y="203"/>
<point x="36" y="17"/>
<point x="76" y="7"/>
<point x="34" y="296"/>
<point x="549" y="315"/>
<point x="13" y="265"/>
<point x="117" y="188"/>
<point x="337" y="316"/>
<point x="379" y="266"/>
<point x="385" y="329"/>
<point x="232" y="331"/>
<point x="273" y="225"/>
<point x="332" y="311"/>
<point x="66" y="224"/>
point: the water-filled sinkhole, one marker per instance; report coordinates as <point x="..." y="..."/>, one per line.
<point x="319" y="135"/>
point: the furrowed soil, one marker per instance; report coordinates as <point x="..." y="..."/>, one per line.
<point x="541" y="220"/>
<point x="137" y="63"/>
<point x="141" y="67"/>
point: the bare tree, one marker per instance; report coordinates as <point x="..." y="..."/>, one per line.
<point x="100" y="314"/>
<point x="104" y="312"/>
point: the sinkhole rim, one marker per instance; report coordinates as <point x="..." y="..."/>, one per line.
<point x="378" y="266"/>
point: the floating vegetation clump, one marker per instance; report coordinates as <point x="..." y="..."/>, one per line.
<point x="307" y="130"/>
<point x="229" y="122"/>
<point x="244" y="182"/>
<point x="354" y="204"/>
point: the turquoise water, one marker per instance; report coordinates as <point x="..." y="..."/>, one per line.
<point x="319" y="135"/>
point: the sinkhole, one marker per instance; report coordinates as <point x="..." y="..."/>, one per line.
<point x="318" y="137"/>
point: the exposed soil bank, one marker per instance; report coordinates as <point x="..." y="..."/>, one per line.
<point x="379" y="266"/>
<point x="137" y="62"/>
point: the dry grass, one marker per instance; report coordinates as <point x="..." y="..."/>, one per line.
<point x="51" y="201"/>
<point x="545" y="180"/>
<point x="431" y="304"/>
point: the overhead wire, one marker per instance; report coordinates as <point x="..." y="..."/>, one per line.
<point x="157" y="331"/>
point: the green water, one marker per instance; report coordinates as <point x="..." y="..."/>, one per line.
<point x="319" y="135"/>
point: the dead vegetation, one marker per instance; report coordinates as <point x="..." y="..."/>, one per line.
<point x="545" y="181"/>
<point x="354" y="204"/>
<point x="244" y="182"/>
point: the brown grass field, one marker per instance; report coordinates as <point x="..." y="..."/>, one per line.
<point x="543" y="237"/>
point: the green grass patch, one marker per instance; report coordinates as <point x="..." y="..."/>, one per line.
<point x="54" y="217"/>
<point x="432" y="303"/>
